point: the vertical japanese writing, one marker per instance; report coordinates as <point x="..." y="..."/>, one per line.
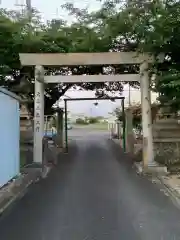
<point x="37" y="114"/>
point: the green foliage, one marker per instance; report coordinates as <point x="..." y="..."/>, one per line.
<point x="17" y="35"/>
<point x="88" y="120"/>
<point x="136" y="111"/>
<point x="81" y="121"/>
<point x="93" y="120"/>
<point x="132" y="25"/>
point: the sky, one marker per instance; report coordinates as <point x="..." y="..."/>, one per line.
<point x="104" y="107"/>
<point x="52" y="9"/>
<point x="87" y="107"/>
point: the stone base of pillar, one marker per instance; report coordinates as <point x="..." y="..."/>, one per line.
<point x="130" y="142"/>
<point x="151" y="170"/>
<point x="155" y="170"/>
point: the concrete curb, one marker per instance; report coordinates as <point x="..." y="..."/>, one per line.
<point x="173" y="193"/>
<point x="138" y="167"/>
<point x="116" y="141"/>
<point x="155" y="169"/>
<point x="18" y="187"/>
<point x="159" y="175"/>
<point x="11" y="198"/>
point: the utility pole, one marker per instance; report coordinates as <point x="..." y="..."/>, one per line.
<point x="129" y="95"/>
<point x="57" y="12"/>
<point x="25" y="7"/>
<point x="29" y="10"/>
<point x="21" y="5"/>
<point x="28" y="4"/>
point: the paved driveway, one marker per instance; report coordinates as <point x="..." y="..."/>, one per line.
<point x="93" y="194"/>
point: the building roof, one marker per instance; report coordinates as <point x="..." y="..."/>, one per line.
<point x="11" y="94"/>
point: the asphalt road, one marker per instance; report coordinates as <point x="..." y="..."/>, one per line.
<point x="93" y="194"/>
<point x="86" y="133"/>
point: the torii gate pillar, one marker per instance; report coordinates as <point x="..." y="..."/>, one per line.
<point x="148" y="153"/>
<point x="38" y="115"/>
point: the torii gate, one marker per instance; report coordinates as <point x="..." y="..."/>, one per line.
<point x="74" y="59"/>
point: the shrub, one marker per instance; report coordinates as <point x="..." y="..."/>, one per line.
<point x="81" y="121"/>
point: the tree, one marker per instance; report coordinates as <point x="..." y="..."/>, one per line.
<point x="136" y="114"/>
<point x="135" y="25"/>
<point x="81" y="121"/>
<point x="168" y="83"/>
<point x="56" y="36"/>
<point x="93" y="120"/>
<point x="158" y="31"/>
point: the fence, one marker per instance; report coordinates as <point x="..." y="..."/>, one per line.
<point x="26" y="137"/>
<point x="116" y="130"/>
<point x="9" y="140"/>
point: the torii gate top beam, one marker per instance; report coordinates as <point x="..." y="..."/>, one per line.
<point x="74" y="59"/>
<point x="91" y="78"/>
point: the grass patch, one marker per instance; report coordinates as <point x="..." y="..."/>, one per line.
<point x="98" y="126"/>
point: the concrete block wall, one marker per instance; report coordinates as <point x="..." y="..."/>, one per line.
<point x="166" y="137"/>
